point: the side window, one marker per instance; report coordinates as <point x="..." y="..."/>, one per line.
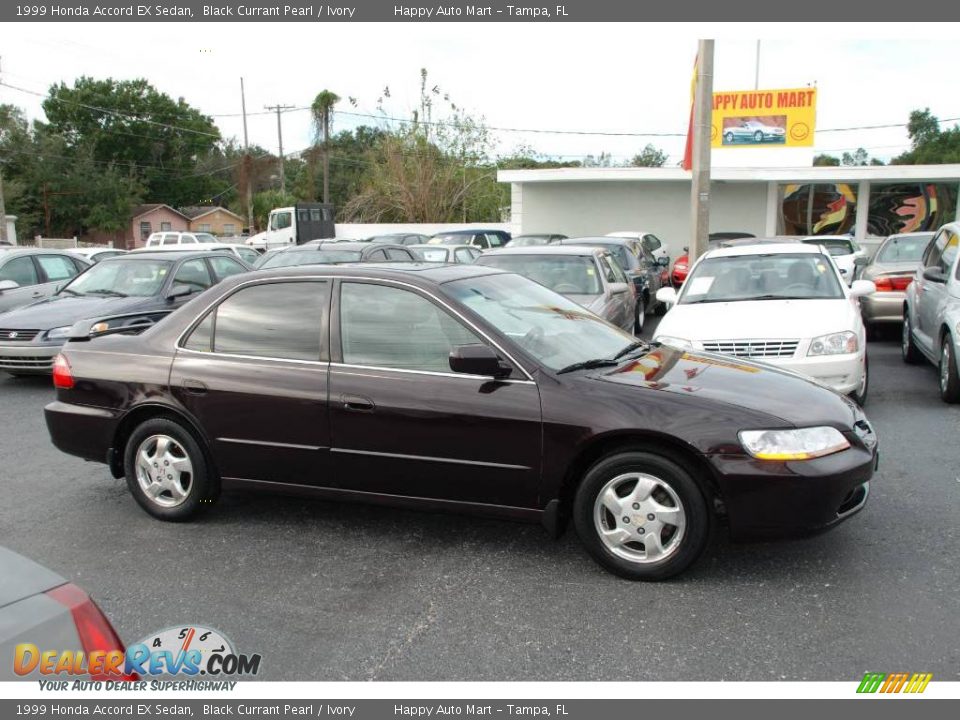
<point x="464" y="255"/>
<point x="377" y="256"/>
<point x="653" y="242"/>
<point x="281" y="221"/>
<point x="193" y="273"/>
<point x="949" y="252"/>
<point x="394" y="328"/>
<point x="248" y="255"/>
<point x="931" y="256"/>
<point x="224" y="267"/>
<point x="201" y="339"/>
<point x="494" y="240"/>
<point x="21" y="270"/>
<point x="606" y="267"/>
<point x="399" y="255"/>
<point x="275" y="320"/>
<point x="481" y="241"/>
<point x="188" y="239"/>
<point x="57" y="267"/>
<point x="171" y="239"/>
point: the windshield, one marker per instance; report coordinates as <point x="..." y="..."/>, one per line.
<point x="565" y="274"/>
<point x="761" y="277"/>
<point x="433" y="254"/>
<point x="135" y="278"/>
<point x="554" y="330"/>
<point x="310" y="257"/>
<point x="834" y="247"/>
<point x="905" y="248"/>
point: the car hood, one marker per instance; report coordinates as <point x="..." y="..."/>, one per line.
<point x="758" y="319"/>
<point x="788" y="396"/>
<point x="61" y="310"/>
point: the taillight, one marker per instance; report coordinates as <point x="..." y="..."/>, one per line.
<point x="62" y="373"/>
<point x="95" y="631"/>
<point x="893" y="284"/>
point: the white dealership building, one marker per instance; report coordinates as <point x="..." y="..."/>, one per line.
<point x="869" y="201"/>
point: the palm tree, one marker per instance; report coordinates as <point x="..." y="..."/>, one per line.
<point x="321" y="108"/>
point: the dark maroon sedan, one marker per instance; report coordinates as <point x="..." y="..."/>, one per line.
<point x="460" y="388"/>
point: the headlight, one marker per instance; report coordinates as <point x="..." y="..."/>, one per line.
<point x="673" y="341"/>
<point x="59" y="333"/>
<point x="834" y="344"/>
<point x="800" y="444"/>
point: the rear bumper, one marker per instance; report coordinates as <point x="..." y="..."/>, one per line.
<point x="80" y="430"/>
<point x="883" y="307"/>
<point x="28" y="357"/>
<point x="791" y="499"/>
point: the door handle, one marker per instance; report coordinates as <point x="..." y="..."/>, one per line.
<point x="357" y="403"/>
<point x="194" y="387"/>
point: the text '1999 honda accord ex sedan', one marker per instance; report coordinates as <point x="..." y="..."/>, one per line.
<point x="460" y="388"/>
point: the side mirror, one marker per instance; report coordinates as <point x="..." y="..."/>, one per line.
<point x="179" y="291"/>
<point x="934" y="274"/>
<point x="618" y="288"/>
<point x="477" y="360"/>
<point x="8" y="285"/>
<point x="663" y="261"/>
<point x="859" y="288"/>
<point x="667" y="295"/>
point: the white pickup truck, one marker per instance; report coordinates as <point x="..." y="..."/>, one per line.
<point x="295" y="225"/>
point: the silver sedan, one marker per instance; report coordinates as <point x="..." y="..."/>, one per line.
<point x="892" y="270"/>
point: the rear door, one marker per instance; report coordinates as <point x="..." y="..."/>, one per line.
<point x="402" y="423"/>
<point x="254" y="371"/>
<point x="23" y="271"/>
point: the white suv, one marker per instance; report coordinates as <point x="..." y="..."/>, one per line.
<point x="931" y="311"/>
<point x="174" y="239"/>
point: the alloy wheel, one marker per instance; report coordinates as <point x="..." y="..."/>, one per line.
<point x="945" y="360"/>
<point x="639" y="518"/>
<point x="164" y="471"/>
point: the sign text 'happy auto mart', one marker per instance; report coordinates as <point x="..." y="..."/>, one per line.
<point x="764" y="118"/>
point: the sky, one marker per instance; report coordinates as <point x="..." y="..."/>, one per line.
<point x="632" y="78"/>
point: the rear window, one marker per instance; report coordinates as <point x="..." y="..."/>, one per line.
<point x="833" y="246"/>
<point x="903" y="249"/>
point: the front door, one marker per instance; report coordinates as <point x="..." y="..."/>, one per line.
<point x="254" y="373"/>
<point x="402" y="423"/>
<point x="24" y="272"/>
<point x="932" y="295"/>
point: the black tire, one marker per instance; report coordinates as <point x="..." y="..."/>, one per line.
<point x="908" y="349"/>
<point x="728" y="138"/>
<point x="639" y="316"/>
<point x="860" y="396"/>
<point x="677" y="558"/>
<point x="202" y="485"/>
<point x="949" y="378"/>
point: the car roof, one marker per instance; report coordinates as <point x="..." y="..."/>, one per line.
<point x="918" y="233"/>
<point x="782" y="248"/>
<point x="437" y="246"/>
<point x="465" y="231"/>
<point x="165" y="255"/>
<point x="554" y="249"/>
<point x="813" y="238"/>
<point x="423" y="273"/>
<point x="8" y="251"/>
<point x="605" y="239"/>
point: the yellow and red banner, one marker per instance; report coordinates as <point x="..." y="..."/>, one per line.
<point x="764" y="118"/>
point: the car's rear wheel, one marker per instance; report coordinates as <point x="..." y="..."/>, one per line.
<point x="860" y="394"/>
<point x="908" y="348"/>
<point x="167" y="471"/>
<point x="949" y="378"/>
<point x="641" y="516"/>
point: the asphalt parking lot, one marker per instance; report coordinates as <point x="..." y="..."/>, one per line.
<point x="345" y="592"/>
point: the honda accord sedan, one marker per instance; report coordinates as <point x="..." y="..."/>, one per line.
<point x="460" y="388"/>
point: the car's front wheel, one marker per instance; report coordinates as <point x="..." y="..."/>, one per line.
<point x="729" y="138"/>
<point x="949" y="378"/>
<point x="908" y="349"/>
<point x="167" y="472"/>
<point x="641" y="516"/>
<point x="758" y="136"/>
<point x="860" y="394"/>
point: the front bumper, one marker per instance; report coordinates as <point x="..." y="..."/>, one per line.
<point x="841" y="373"/>
<point x="28" y="357"/>
<point x="883" y="307"/>
<point x="766" y="499"/>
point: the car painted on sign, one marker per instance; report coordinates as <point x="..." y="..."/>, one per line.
<point x="392" y="379"/>
<point x="753" y="131"/>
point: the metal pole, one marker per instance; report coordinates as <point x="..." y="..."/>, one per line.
<point x="756" y="76"/>
<point x="3" y="209"/>
<point x="279" y="109"/>
<point x="247" y="165"/>
<point x="700" y="181"/>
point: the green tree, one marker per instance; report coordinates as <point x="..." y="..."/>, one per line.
<point x="824" y="160"/>
<point x="267" y="200"/>
<point x="321" y="110"/>
<point x="929" y="145"/>
<point x="650" y="156"/>
<point x="859" y="157"/>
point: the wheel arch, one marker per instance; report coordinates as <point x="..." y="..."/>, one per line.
<point x="670" y="447"/>
<point x="151" y="411"/>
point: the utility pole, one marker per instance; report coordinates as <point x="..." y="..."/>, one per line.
<point x="756" y="74"/>
<point x="3" y="205"/>
<point x="247" y="164"/>
<point x="700" y="181"/>
<point x="280" y="109"/>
